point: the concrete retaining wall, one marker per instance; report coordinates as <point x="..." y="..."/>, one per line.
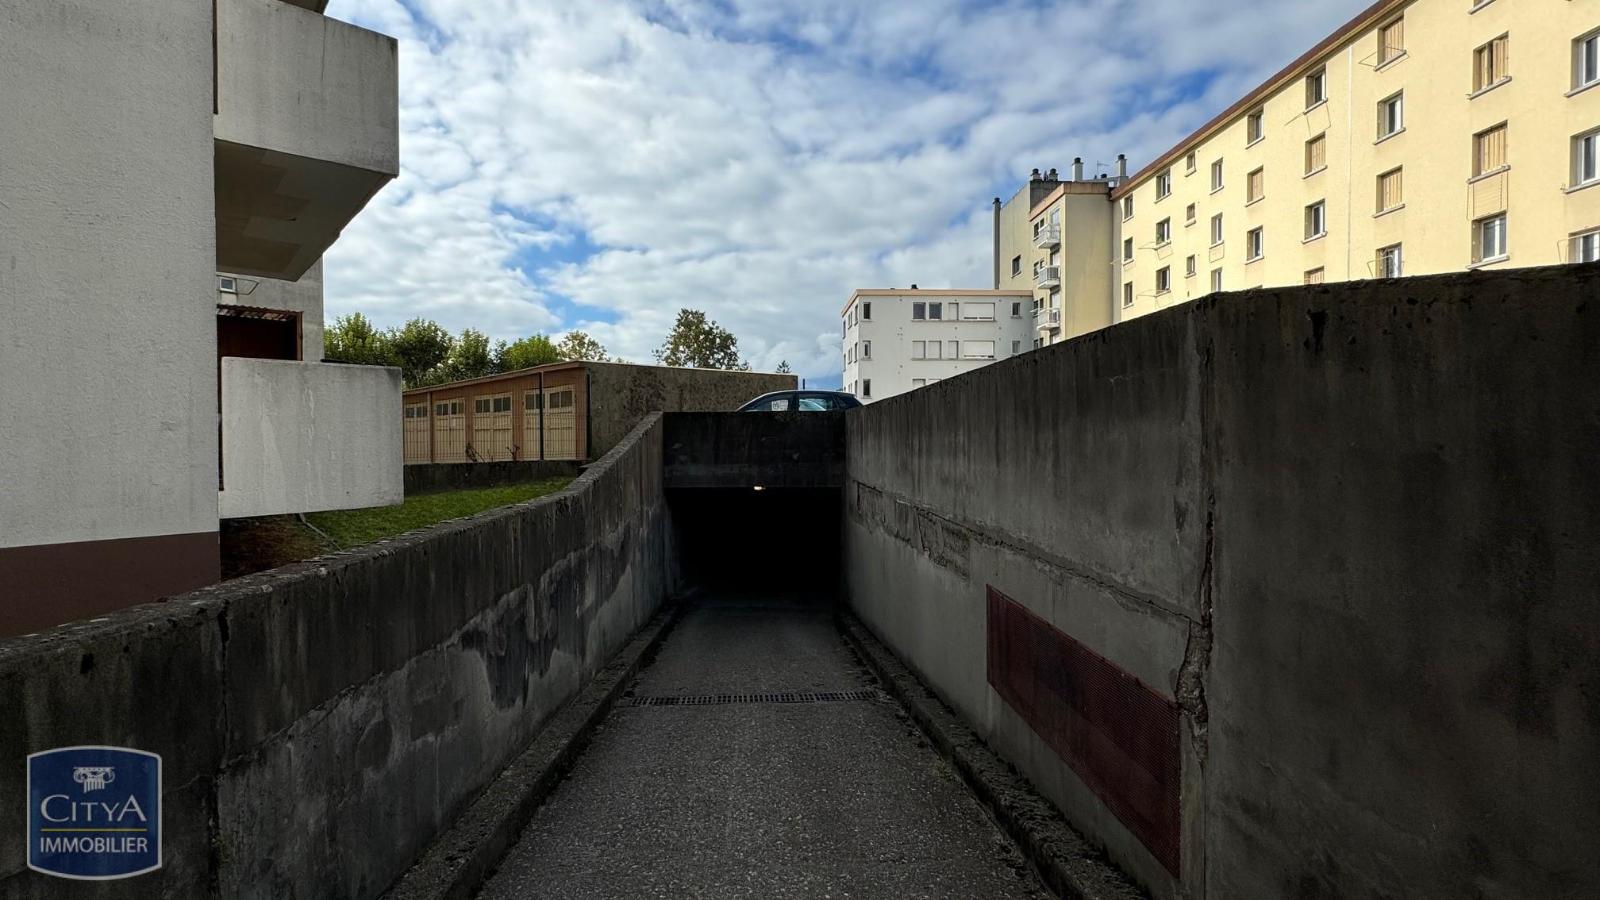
<point x="421" y="478"/>
<point x="621" y="394"/>
<point x="320" y="723"/>
<point x="1350" y="531"/>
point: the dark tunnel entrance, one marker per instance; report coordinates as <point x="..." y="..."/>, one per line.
<point x="775" y="540"/>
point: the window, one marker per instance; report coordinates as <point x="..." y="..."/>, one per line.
<point x="918" y="382"/>
<point x="1317" y="154"/>
<point x="1216" y="229"/>
<point x="975" y="312"/>
<point x="1391" y="41"/>
<point x="417" y="411"/>
<point x="1189" y="267"/>
<point x="955" y="311"/>
<point x="1586" y="247"/>
<point x="1163" y="279"/>
<point x="866" y="387"/>
<point x="953" y="350"/>
<point x="1489" y="239"/>
<point x="1390" y="263"/>
<point x="1163" y="184"/>
<point x="935" y="311"/>
<point x="1127" y="249"/>
<point x="1188" y="163"/>
<point x="1164" y="231"/>
<point x="1127" y="294"/>
<point x="1586" y="158"/>
<point x="1489" y="150"/>
<point x="866" y="311"/>
<point x="1252" y="127"/>
<point x="1315" y="276"/>
<point x="1216" y="280"/>
<point x="979" y="349"/>
<point x="1255" y="186"/>
<point x="1016" y="347"/>
<point x="1586" y="60"/>
<point x="1127" y="207"/>
<point x="1188" y="215"/>
<point x="919" y="312"/>
<point x="480" y="406"/>
<point x="1391" y="115"/>
<point x="1489" y="64"/>
<point x="1216" y="176"/>
<point x="1316" y="220"/>
<point x="1016" y="265"/>
<point x="934" y="350"/>
<point x="1016" y="310"/>
<point x="227" y="285"/>
<point x="1391" y="190"/>
<point x="531" y="401"/>
<point x="866" y="349"/>
<point x="1255" y="244"/>
<point x="919" y="349"/>
<point x="1316" y="87"/>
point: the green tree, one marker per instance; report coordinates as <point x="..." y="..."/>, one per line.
<point x="526" y="353"/>
<point x="696" y="342"/>
<point x="470" y="357"/>
<point x="353" y="339"/>
<point x="421" y="347"/>
<point x="578" y="345"/>
<point x="783" y="368"/>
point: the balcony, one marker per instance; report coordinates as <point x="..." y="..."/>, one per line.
<point x="1047" y="277"/>
<point x="1047" y="237"/>
<point x="303" y="437"/>
<point x="1047" y="319"/>
<point x="306" y="132"/>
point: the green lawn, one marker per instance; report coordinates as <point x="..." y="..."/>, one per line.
<point x="351" y="527"/>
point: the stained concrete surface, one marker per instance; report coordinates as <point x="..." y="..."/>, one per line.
<point x="840" y="799"/>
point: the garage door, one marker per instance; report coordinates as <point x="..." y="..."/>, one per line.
<point x="491" y="427"/>
<point x="560" y="424"/>
<point x="449" y="431"/>
<point x="416" y="433"/>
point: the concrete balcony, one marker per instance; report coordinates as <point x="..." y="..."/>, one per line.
<point x="303" y="437"/>
<point x="1047" y="319"/>
<point x="1048" y="237"/>
<point x="1047" y="277"/>
<point x="306" y="132"/>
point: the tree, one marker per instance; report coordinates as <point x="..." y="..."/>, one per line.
<point x="470" y="357"/>
<point x="697" y="342"/>
<point x="783" y="368"/>
<point x="578" y="345"/>
<point x="353" y="339"/>
<point x="420" y="349"/>
<point x="526" y="353"/>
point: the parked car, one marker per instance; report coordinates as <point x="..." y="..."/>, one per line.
<point x="801" y="401"/>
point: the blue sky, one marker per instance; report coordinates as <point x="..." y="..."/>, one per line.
<point x="600" y="165"/>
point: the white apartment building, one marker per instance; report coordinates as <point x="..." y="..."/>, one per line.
<point x="899" y="340"/>
<point x="173" y="172"/>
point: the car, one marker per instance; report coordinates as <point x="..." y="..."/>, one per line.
<point x="802" y="401"/>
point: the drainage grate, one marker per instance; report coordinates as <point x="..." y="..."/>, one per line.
<point x="779" y="697"/>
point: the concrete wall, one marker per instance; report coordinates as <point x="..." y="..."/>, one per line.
<point x="426" y="477"/>
<point x="621" y="394"/>
<point x="1349" y="531"/>
<point x="336" y="713"/>
<point x="303" y="437"/>
<point x="107" y="330"/>
<point x="742" y="450"/>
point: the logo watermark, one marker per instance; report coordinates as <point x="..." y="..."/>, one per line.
<point x="94" y="813"/>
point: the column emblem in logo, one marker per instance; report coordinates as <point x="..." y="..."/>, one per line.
<point x="94" y="812"/>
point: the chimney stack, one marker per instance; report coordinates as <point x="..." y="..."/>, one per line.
<point x="1122" y="165"/>
<point x="1052" y="176"/>
<point x="1035" y="176"/>
<point x="1077" y="168"/>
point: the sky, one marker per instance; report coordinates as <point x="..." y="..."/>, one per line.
<point x="600" y="164"/>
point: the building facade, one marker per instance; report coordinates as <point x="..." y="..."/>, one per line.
<point x="562" y="411"/>
<point x="174" y="171"/>
<point x="1422" y="137"/>
<point x="899" y="340"/>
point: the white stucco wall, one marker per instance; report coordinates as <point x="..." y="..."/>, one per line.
<point x="892" y="367"/>
<point x="303" y="296"/>
<point x="107" y="325"/>
<point x="298" y="82"/>
<point x="303" y="437"/>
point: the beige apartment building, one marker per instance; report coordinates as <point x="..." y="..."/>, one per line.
<point x="1422" y="137"/>
<point x="1053" y="239"/>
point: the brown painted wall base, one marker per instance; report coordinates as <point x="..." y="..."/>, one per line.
<point x="49" y="584"/>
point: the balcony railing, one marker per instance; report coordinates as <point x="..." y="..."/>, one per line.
<point x="1047" y="237"/>
<point x="1047" y="277"/>
<point x="1047" y="319"/>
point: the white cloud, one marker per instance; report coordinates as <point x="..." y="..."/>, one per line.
<point x="756" y="159"/>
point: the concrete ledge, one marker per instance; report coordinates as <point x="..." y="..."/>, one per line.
<point x="459" y="862"/>
<point x="1066" y="862"/>
<point x="421" y="478"/>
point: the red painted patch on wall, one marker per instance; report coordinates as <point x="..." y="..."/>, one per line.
<point x="1117" y="733"/>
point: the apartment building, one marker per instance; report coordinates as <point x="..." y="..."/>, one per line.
<point x="899" y="340"/>
<point x="174" y="171"/>
<point x="1421" y="137"/>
